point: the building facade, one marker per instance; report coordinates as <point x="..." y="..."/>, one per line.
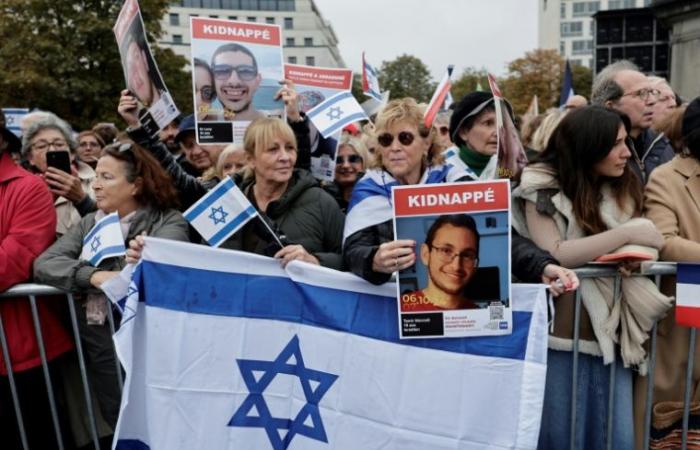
<point x="306" y="36"/>
<point x="568" y="26"/>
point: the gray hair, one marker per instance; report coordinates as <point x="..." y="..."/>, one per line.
<point x="604" y="85"/>
<point x="50" y="122"/>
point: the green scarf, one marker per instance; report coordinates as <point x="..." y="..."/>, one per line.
<point x="476" y="161"/>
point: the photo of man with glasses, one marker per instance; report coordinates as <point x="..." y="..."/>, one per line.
<point x="236" y="79"/>
<point x="451" y="255"/>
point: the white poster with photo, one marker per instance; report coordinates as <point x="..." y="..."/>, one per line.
<point x="236" y="70"/>
<point x="143" y="79"/>
<point x="313" y="86"/>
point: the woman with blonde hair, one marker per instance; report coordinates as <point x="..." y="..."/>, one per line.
<point x="350" y="162"/>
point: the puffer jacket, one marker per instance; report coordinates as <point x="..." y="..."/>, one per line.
<point x="60" y="264"/>
<point x="305" y="214"/>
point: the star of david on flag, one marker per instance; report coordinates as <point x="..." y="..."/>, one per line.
<point x="333" y="114"/>
<point x="220" y="213"/>
<point x="105" y="240"/>
<point x="254" y="411"/>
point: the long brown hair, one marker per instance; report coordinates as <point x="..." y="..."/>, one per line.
<point x="584" y="137"/>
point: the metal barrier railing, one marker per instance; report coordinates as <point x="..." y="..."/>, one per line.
<point x="31" y="291"/>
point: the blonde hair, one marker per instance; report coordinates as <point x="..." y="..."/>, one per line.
<point x="541" y="136"/>
<point x="261" y="133"/>
<point x="357" y="146"/>
<point x="231" y="148"/>
<point x="402" y="110"/>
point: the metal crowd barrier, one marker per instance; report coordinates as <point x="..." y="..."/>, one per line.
<point x="31" y="291"/>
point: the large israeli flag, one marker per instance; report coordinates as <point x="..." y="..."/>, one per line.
<point x="220" y="213"/>
<point x="104" y="240"/>
<point x="226" y="350"/>
<point x="333" y="114"/>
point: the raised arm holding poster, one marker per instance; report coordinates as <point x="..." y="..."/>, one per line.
<point x="314" y="85"/>
<point x="460" y="285"/>
<point x="141" y="72"/>
<point x="237" y="67"/>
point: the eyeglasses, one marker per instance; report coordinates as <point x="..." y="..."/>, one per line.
<point x="58" y="144"/>
<point x="352" y="159"/>
<point x="207" y="93"/>
<point x="405" y="138"/>
<point x="244" y="72"/>
<point x="643" y="93"/>
<point x="447" y="255"/>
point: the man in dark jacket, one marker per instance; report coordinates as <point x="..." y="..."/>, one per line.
<point x="623" y="87"/>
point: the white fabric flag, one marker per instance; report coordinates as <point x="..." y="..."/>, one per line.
<point x="104" y="240"/>
<point x="335" y="113"/>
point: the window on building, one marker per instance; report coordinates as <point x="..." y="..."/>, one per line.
<point x="308" y="42"/>
<point x="213" y="16"/>
<point x="285" y="5"/>
<point x="562" y="13"/>
<point x="292" y="59"/>
<point x="232" y="17"/>
<point x="192" y="3"/>
<point x="251" y="5"/>
<point x="230" y="4"/>
<point x="562" y="47"/>
<point x="290" y="42"/>
<point x="571" y="29"/>
<point x="581" y="47"/>
<point x="251" y="19"/>
<point x="288" y="23"/>
<point x="177" y="39"/>
<point x="310" y="61"/>
<point x="576" y="62"/>
<point x="268" y="5"/>
<point x="213" y="4"/>
<point x="621" y="4"/>
<point x="174" y="19"/>
<point x="585" y="9"/>
<point x="194" y="15"/>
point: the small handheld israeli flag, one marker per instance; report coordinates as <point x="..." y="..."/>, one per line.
<point x="370" y="80"/>
<point x="105" y="240"/>
<point x="220" y="213"/>
<point x="335" y="113"/>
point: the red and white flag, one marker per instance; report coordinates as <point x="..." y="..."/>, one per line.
<point x="438" y="98"/>
<point x="688" y="295"/>
<point x="534" y="108"/>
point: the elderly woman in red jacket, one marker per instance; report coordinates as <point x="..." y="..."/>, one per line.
<point x="27" y="228"/>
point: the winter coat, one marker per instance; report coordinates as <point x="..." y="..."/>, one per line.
<point x="27" y="227"/>
<point x="654" y="150"/>
<point x="527" y="259"/>
<point x="60" y="265"/>
<point x="305" y="214"/>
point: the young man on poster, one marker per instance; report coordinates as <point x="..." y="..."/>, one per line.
<point x="450" y="254"/>
<point x="140" y="67"/>
<point x="236" y="78"/>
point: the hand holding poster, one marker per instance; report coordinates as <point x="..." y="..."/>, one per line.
<point x="313" y="86"/>
<point x="141" y="73"/>
<point x="237" y="69"/>
<point x="460" y="285"/>
<point x="511" y="154"/>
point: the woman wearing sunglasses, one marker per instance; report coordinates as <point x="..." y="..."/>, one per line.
<point x="349" y="164"/>
<point x="131" y="183"/>
<point x="402" y="158"/>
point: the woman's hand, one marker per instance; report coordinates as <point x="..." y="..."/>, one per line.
<point x="559" y="279"/>
<point x="133" y="253"/>
<point x="289" y="96"/>
<point x="128" y="108"/>
<point x="394" y="255"/>
<point x="102" y="276"/>
<point x="295" y="252"/>
<point x="64" y="184"/>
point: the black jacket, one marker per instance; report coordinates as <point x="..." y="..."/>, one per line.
<point x="527" y="259"/>
<point x="649" y="151"/>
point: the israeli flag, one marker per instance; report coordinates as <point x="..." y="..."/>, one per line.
<point x="13" y="117"/>
<point x="220" y="213"/>
<point x="105" y="240"/>
<point x="371" y="82"/>
<point x="227" y="350"/>
<point x="330" y="116"/>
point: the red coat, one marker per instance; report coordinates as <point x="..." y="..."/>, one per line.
<point x="27" y="228"/>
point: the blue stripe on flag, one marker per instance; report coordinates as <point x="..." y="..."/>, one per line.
<point x="230" y="227"/>
<point x="345" y="121"/>
<point x="331" y="101"/>
<point x="688" y="273"/>
<point x="106" y="221"/>
<point x="115" y="250"/>
<point x="276" y="298"/>
<point x="366" y="188"/>
<point x="211" y="198"/>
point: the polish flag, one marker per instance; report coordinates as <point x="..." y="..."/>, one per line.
<point x="688" y="295"/>
<point x="439" y="97"/>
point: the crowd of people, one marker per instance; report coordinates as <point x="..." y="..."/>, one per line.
<point x="619" y="173"/>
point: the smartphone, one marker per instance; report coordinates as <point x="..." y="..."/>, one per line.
<point x="59" y="160"/>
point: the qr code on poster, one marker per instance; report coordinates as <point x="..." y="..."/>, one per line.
<point x="496" y="311"/>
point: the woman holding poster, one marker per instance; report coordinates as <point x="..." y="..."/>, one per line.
<point x="580" y="201"/>
<point x="403" y="158"/>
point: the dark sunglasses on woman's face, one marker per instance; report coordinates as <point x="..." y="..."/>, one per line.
<point x="223" y="71"/>
<point x="352" y="159"/>
<point x="405" y="138"/>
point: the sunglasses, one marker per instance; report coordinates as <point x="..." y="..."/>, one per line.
<point x="405" y="138"/>
<point x="352" y="159"/>
<point x="244" y="72"/>
<point x="444" y="130"/>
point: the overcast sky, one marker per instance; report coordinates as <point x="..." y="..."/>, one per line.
<point x="478" y="33"/>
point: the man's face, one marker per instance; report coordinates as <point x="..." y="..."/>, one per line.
<point x="236" y="79"/>
<point x="137" y="74"/>
<point x="194" y="153"/>
<point x="451" y="258"/>
<point x="637" y="101"/>
<point x="167" y="136"/>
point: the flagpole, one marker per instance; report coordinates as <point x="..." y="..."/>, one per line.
<point x="274" y="235"/>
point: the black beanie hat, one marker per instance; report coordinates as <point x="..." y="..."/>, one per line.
<point x="465" y="106"/>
